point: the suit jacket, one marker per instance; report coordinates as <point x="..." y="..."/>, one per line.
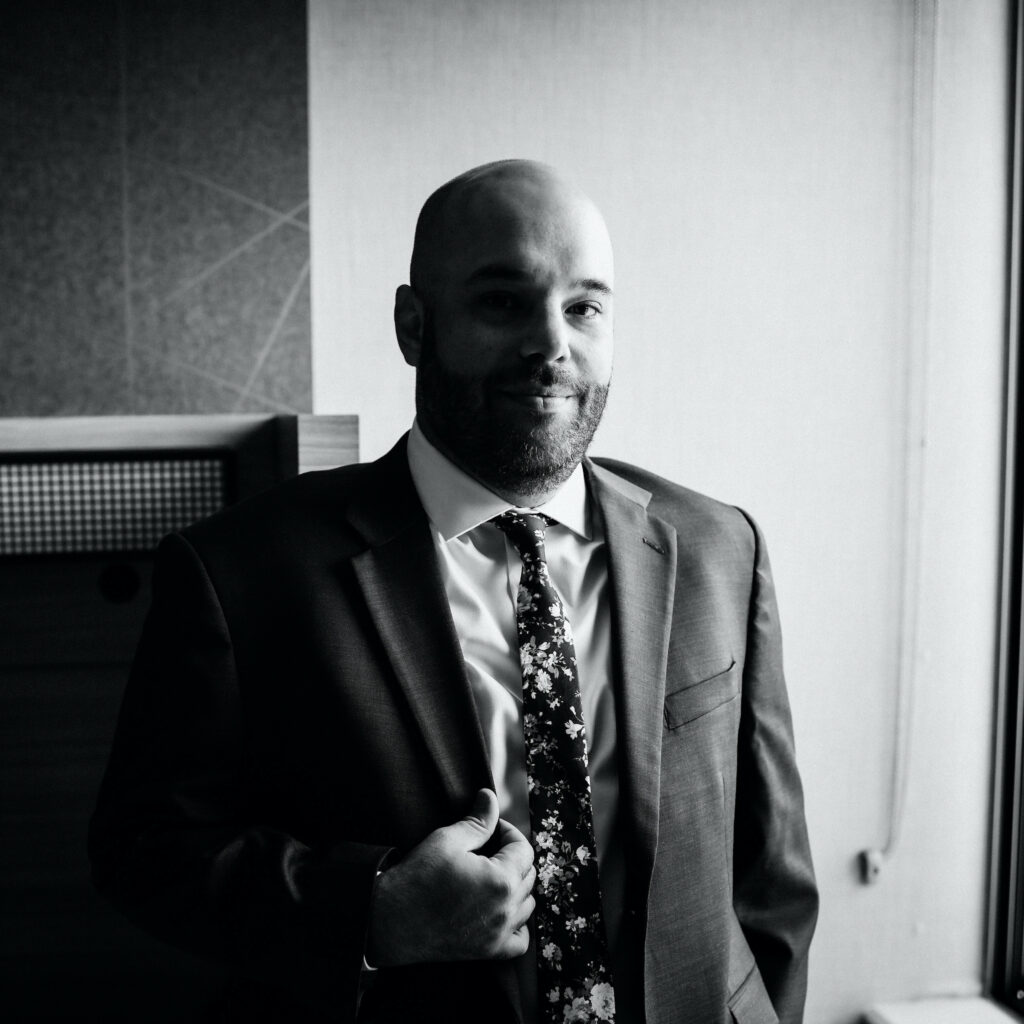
<point x="298" y="708"/>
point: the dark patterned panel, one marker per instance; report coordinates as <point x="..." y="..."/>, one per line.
<point x="123" y="504"/>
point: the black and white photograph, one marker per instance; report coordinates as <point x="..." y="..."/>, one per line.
<point x="512" y="511"/>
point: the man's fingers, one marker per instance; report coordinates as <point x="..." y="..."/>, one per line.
<point x="507" y="833"/>
<point x="524" y="914"/>
<point x="514" y="850"/>
<point x="517" y="944"/>
<point x="525" y="886"/>
<point x="521" y="937"/>
<point x="484" y="811"/>
<point x="475" y="829"/>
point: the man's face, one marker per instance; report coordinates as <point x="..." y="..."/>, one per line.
<point x="517" y="342"/>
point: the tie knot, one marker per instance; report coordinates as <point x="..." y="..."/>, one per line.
<point x="525" y="530"/>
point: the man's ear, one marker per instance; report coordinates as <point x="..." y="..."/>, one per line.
<point x="409" y="320"/>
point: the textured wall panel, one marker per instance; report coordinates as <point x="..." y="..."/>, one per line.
<point x="153" y="208"/>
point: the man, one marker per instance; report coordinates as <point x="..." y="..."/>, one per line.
<point x="484" y="730"/>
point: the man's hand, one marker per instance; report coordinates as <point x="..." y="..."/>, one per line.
<point x="445" y="901"/>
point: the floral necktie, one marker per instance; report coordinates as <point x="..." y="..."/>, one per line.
<point x="574" y="979"/>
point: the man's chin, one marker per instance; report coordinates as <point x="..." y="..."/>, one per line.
<point x="545" y="439"/>
<point x="541" y="456"/>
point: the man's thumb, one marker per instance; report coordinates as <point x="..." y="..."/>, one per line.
<point x="472" y="831"/>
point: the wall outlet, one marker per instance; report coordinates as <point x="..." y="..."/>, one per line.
<point x="870" y="865"/>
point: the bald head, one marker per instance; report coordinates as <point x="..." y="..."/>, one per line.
<point x="493" y="201"/>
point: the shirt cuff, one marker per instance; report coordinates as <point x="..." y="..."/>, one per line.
<point x="386" y="861"/>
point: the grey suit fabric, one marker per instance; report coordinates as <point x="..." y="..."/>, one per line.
<point x="298" y="710"/>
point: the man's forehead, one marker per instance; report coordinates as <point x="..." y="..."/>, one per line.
<point x="521" y="236"/>
<point x="517" y="216"/>
<point x="514" y="201"/>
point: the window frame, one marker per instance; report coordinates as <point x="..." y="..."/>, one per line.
<point x="1004" y="966"/>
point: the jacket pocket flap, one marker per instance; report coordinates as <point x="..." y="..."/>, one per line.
<point x="750" y="1003"/>
<point x="698" y="699"/>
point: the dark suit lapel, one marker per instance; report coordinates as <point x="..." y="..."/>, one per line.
<point x="642" y="570"/>
<point x="402" y="585"/>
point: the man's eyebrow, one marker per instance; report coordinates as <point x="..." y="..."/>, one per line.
<point x="498" y="272"/>
<point x="510" y="272"/>
<point x="592" y="284"/>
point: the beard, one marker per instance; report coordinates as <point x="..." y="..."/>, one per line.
<point x="526" y="455"/>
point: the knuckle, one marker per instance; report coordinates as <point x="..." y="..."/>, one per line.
<point x="508" y="887"/>
<point x="504" y="919"/>
<point x="502" y="887"/>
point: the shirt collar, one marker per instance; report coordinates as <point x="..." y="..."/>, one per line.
<point x="456" y="503"/>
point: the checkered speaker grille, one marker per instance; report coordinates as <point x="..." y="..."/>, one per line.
<point x="123" y="503"/>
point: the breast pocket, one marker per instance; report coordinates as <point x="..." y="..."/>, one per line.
<point x="750" y="1003"/>
<point x="695" y="700"/>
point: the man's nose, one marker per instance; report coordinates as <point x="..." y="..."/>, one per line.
<point x="547" y="336"/>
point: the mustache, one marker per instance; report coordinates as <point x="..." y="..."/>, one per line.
<point x="541" y="376"/>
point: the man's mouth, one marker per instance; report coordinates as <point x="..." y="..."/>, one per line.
<point x="540" y="399"/>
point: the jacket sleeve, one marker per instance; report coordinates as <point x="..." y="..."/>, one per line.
<point x="177" y="842"/>
<point x="774" y="892"/>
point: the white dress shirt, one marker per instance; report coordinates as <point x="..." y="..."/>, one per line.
<point x="481" y="571"/>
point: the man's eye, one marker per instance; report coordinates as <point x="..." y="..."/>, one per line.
<point x="585" y="309"/>
<point x="503" y="302"/>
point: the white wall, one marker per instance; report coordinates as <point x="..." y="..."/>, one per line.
<point x="807" y="199"/>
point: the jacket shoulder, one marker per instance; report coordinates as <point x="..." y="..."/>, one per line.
<point x="299" y="494"/>
<point x="694" y="515"/>
<point x="315" y="509"/>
